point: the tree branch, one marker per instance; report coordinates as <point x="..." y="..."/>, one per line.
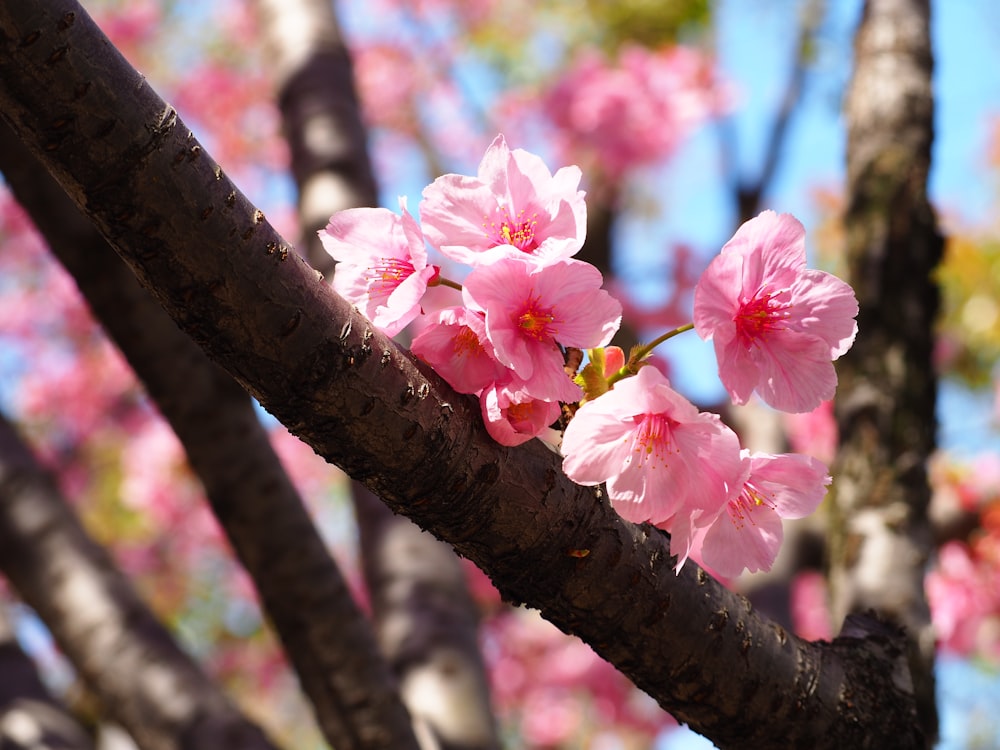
<point x="231" y="281"/>
<point x="327" y="637"/>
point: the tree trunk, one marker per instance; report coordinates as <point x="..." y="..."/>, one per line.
<point x="885" y="405"/>
<point x="425" y="619"/>
<point x="320" y="113"/>
<point x="127" y="658"/>
<point x="30" y="717"/>
<point x="231" y="281"/>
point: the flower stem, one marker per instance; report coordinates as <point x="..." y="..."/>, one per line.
<point x="442" y="281"/>
<point x="644" y="351"/>
<point x="641" y="352"/>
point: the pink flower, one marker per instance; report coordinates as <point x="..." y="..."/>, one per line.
<point x="381" y="264"/>
<point x="512" y="416"/>
<point x="532" y="308"/>
<point x="777" y="326"/>
<point x="748" y="533"/>
<point x="659" y="455"/>
<point x="635" y="110"/>
<point x="515" y="203"/>
<point x="454" y="343"/>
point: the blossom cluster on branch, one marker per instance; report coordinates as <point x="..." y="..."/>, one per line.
<point x="527" y="310"/>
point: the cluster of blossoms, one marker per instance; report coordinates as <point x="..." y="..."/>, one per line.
<point x="526" y="305"/>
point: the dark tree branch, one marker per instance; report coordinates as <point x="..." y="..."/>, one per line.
<point x="886" y="405"/>
<point x="127" y="658"/>
<point x="308" y="602"/>
<point x="228" y="279"/>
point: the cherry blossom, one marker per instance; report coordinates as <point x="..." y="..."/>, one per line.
<point x="776" y="325"/>
<point x="660" y="456"/>
<point x="515" y="202"/>
<point x="382" y="263"/>
<point x="512" y="416"/>
<point x="454" y="343"/>
<point x="633" y="111"/>
<point x="532" y="308"/>
<point x="747" y="533"/>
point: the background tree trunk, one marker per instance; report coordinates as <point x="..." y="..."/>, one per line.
<point x="125" y="656"/>
<point x="885" y="406"/>
<point x="425" y="620"/>
<point x="30" y="717"/>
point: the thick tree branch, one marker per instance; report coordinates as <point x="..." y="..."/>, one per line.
<point x="126" y="657"/>
<point x="228" y="279"/>
<point x="327" y="637"/>
<point x="886" y="404"/>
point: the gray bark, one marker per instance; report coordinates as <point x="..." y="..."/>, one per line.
<point x="31" y="718"/>
<point x="886" y="403"/>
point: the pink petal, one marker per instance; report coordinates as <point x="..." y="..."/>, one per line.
<point x="796" y="374"/>
<point x="716" y="297"/>
<point x="826" y="307"/>
<point x="754" y="544"/>
<point x="794" y="484"/>
<point x="452" y="343"/>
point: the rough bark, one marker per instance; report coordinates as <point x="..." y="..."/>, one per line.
<point x="885" y="405"/>
<point x="127" y="658"/>
<point x="425" y="620"/>
<point x="30" y="716"/>
<point x="232" y="282"/>
<point x="327" y="637"/>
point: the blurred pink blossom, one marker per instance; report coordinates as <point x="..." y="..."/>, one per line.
<point x="633" y="111"/>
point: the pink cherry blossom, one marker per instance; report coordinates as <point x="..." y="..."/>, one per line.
<point x="633" y="111"/>
<point x="515" y="202"/>
<point x="776" y="325"/>
<point x="659" y="455"/>
<point x="532" y="308"/>
<point x="381" y="263"/>
<point x="964" y="598"/>
<point x="512" y="416"/>
<point x="747" y="533"/>
<point x="454" y="343"/>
